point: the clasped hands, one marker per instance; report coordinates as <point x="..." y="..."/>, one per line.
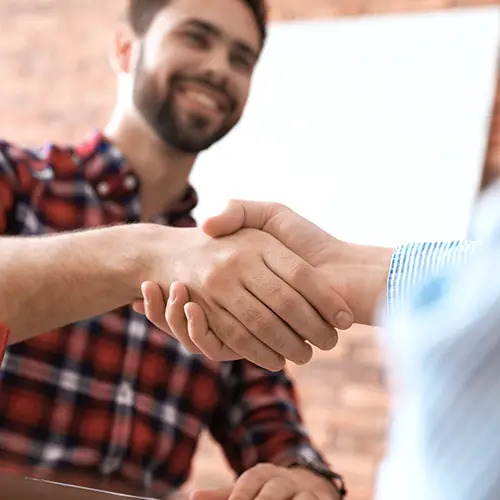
<point x="269" y="298"/>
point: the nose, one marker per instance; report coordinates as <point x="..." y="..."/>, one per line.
<point x="217" y="65"/>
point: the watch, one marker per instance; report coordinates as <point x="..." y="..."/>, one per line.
<point x="318" y="467"/>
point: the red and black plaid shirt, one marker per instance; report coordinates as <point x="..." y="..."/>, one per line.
<point x="113" y="395"/>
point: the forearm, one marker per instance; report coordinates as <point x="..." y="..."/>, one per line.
<point x="50" y="281"/>
<point x="368" y="274"/>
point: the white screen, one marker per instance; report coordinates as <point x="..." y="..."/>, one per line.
<point x="374" y="128"/>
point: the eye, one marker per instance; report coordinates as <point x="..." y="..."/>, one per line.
<point x="241" y="61"/>
<point x="196" y="39"/>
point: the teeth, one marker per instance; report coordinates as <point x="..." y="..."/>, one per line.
<point x="202" y="99"/>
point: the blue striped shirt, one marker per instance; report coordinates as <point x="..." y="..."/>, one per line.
<point x="442" y="353"/>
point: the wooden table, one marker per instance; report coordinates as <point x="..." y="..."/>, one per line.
<point x="33" y="485"/>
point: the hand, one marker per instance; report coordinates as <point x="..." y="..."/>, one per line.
<point x="269" y="482"/>
<point x="262" y="301"/>
<point x="358" y="273"/>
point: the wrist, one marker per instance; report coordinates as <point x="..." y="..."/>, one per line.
<point x="363" y="271"/>
<point x="146" y="255"/>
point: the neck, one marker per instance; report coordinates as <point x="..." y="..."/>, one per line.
<point x="163" y="171"/>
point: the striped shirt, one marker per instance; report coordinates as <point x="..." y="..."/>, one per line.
<point x="442" y="353"/>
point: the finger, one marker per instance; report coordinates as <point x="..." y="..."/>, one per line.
<point x="302" y="320"/>
<point x="227" y="222"/>
<point x="154" y="305"/>
<point x="212" y="494"/>
<point x="138" y="307"/>
<point x="278" y="488"/>
<point x="249" y="484"/>
<point x="306" y="495"/>
<point x="204" y="338"/>
<point x="175" y="317"/>
<point x="234" y="335"/>
<point x="255" y="311"/>
<point x="240" y="214"/>
<point x="313" y="286"/>
<point x="300" y="235"/>
<point x="297" y="233"/>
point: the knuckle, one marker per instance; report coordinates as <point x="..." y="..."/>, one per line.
<point x="242" y="341"/>
<point x="288" y="304"/>
<point x="280" y="206"/>
<point x="261" y="324"/>
<point x="307" y="495"/>
<point x="263" y="470"/>
<point x="281" y="482"/>
<point x="213" y="278"/>
<point x="226" y="268"/>
<point x="276" y="342"/>
<point x="229" y="331"/>
<point x="299" y="270"/>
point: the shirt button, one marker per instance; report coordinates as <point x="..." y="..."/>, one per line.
<point x="103" y="188"/>
<point x="130" y="182"/>
<point x="126" y="395"/>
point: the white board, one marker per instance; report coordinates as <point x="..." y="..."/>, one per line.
<point x="374" y="128"/>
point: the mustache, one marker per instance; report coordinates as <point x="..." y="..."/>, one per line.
<point x="221" y="88"/>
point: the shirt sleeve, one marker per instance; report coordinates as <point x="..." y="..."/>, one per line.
<point x="413" y="263"/>
<point x="259" y="420"/>
<point x="441" y="346"/>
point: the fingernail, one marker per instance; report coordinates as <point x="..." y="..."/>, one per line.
<point x="331" y="343"/>
<point x="188" y="314"/>
<point x="344" y="320"/>
<point x="144" y="295"/>
<point x="172" y="296"/>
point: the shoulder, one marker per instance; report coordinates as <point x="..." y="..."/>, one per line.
<point x="24" y="167"/>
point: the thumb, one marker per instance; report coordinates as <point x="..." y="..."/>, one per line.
<point x="215" y="494"/>
<point x="230" y="220"/>
<point x="240" y="214"/>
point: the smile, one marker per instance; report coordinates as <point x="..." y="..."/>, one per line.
<point x="204" y="97"/>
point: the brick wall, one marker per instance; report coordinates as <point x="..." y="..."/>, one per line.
<point x="57" y="84"/>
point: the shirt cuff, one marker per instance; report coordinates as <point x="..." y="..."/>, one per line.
<point x="413" y="263"/>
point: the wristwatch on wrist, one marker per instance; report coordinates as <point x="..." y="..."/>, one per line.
<point x="318" y="467"/>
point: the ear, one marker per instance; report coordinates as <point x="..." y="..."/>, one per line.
<point x="122" y="48"/>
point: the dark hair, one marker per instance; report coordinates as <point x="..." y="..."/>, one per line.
<point x="140" y="14"/>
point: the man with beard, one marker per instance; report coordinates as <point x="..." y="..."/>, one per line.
<point x="113" y="395"/>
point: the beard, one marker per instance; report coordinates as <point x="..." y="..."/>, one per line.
<point x="190" y="133"/>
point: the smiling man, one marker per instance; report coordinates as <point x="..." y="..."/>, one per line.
<point x="112" y="394"/>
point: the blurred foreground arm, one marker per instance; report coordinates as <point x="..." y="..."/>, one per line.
<point x="442" y="347"/>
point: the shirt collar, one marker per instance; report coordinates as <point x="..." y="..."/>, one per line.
<point x="114" y="181"/>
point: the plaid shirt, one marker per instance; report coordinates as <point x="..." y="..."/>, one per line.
<point x="113" y="395"/>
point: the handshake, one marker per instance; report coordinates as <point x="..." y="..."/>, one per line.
<point x="261" y="282"/>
